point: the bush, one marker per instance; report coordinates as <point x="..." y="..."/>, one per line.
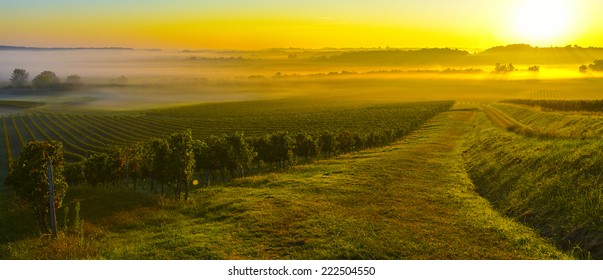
<point x="29" y="177"/>
<point x="19" y="78"/>
<point x="46" y="80"/>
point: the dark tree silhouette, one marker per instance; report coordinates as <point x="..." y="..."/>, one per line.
<point x="502" y="68"/>
<point x="596" y="66"/>
<point x="46" y="80"/>
<point x="29" y="177"/>
<point x="19" y="78"/>
<point x="534" y="68"/>
<point x="73" y="81"/>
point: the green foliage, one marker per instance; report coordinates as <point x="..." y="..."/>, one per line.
<point x="352" y="207"/>
<point x="19" y="78"/>
<point x="29" y="177"/>
<point x="118" y="152"/>
<point x="97" y="169"/>
<point x="281" y="148"/>
<point x="73" y="81"/>
<point x="240" y="153"/>
<point x="76" y="221"/>
<point x="65" y="218"/>
<point x="261" y="145"/>
<point x="157" y="155"/>
<point x="345" y="141"/>
<point x="327" y="143"/>
<point x="7" y="147"/>
<point x="181" y="161"/>
<point x="46" y="80"/>
<point x="74" y="173"/>
<point x="306" y="147"/>
<point x="553" y="184"/>
<point x="554" y="124"/>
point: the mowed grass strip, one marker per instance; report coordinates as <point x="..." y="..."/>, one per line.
<point x="556" y="124"/>
<point x="500" y="119"/>
<point x="412" y="200"/>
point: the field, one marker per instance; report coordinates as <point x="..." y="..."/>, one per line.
<point x="410" y="200"/>
<point x="291" y="157"/>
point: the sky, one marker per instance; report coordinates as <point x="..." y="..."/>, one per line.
<point x="259" y="24"/>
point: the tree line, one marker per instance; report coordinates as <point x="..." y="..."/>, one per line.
<point x="167" y="165"/>
<point x="47" y="80"/>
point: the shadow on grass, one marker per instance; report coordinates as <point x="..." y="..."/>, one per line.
<point x="16" y="220"/>
<point x="98" y="204"/>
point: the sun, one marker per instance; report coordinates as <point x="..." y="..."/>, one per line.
<point x="543" y="21"/>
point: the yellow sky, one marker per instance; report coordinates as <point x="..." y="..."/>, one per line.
<point x="240" y="24"/>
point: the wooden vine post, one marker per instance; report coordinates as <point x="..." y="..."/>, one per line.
<point x="53" y="217"/>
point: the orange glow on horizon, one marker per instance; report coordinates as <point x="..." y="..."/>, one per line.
<point x="395" y="24"/>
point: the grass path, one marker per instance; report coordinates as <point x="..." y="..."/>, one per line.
<point x="412" y="200"/>
<point x="503" y="120"/>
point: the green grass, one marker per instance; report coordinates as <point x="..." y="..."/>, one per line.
<point x="20" y="104"/>
<point x="500" y="119"/>
<point x="82" y="134"/>
<point x="411" y="200"/>
<point x="553" y="185"/>
<point x="555" y="124"/>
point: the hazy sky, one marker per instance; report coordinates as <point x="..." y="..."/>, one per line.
<point x="247" y="24"/>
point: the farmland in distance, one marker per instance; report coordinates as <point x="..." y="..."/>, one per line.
<point x="417" y="163"/>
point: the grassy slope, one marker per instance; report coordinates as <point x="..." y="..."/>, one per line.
<point x="411" y="200"/>
<point x="552" y="184"/>
<point x="556" y="124"/>
<point x="504" y="121"/>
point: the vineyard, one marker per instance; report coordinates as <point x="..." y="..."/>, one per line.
<point x="304" y="132"/>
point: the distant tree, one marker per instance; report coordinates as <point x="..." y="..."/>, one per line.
<point x="119" y="81"/>
<point x="29" y="177"/>
<point x="46" y="80"/>
<point x="534" y="68"/>
<point x="583" y="68"/>
<point x="73" y="81"/>
<point x="502" y="68"/>
<point x="19" y="78"/>
<point x="596" y="66"/>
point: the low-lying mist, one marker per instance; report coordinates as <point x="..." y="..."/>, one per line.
<point x="121" y="79"/>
